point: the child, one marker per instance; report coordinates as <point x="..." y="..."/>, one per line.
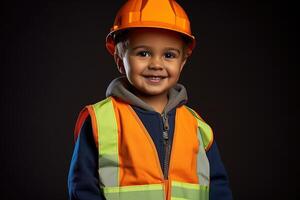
<point x="142" y="142"/>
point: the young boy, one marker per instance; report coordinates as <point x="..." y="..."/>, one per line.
<point x="142" y="142"/>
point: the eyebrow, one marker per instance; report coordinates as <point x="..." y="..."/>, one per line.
<point x="147" y="47"/>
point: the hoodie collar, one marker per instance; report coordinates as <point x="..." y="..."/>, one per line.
<point x="121" y="88"/>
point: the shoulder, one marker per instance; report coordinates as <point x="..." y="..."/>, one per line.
<point x="205" y="130"/>
<point x="89" y="112"/>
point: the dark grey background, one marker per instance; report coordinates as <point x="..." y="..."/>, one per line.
<point x="53" y="62"/>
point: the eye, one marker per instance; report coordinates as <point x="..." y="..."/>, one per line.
<point x="144" y="53"/>
<point x="170" y="55"/>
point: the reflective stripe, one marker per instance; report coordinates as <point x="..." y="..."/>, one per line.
<point x="207" y="135"/>
<point x="202" y="163"/>
<point x="205" y="130"/>
<point x="182" y="191"/>
<point x="108" y="143"/>
<point x="145" y="192"/>
<point x="202" y="160"/>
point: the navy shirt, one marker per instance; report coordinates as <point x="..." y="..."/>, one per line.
<point x="83" y="180"/>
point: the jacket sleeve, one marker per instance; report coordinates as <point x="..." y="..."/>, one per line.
<point x="83" y="179"/>
<point x="219" y="184"/>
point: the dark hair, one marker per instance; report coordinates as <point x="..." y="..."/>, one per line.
<point x="121" y="36"/>
<point x="186" y="40"/>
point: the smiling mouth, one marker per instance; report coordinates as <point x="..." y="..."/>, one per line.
<point x="155" y="79"/>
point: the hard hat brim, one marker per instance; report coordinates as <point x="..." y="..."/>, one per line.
<point x="110" y="43"/>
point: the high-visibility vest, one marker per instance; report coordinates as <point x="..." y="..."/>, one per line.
<point x="129" y="166"/>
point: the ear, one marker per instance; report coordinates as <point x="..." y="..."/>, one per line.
<point x="119" y="62"/>
<point x="183" y="62"/>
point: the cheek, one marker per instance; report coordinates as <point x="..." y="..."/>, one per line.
<point x="174" y="69"/>
<point x="137" y="66"/>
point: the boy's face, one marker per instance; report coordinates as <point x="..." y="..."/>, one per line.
<point x="152" y="60"/>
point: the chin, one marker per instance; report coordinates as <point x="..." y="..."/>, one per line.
<point x="156" y="92"/>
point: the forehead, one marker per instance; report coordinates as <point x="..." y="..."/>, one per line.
<point x="154" y="37"/>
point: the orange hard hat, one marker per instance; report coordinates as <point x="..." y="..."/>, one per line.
<point x="164" y="14"/>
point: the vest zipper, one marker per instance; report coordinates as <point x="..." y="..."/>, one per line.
<point x="166" y="145"/>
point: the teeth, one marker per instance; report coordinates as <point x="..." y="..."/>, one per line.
<point x="155" y="78"/>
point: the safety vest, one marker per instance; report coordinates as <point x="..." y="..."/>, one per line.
<point x="129" y="167"/>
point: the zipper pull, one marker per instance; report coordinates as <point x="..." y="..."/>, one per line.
<point x="166" y="126"/>
<point x="165" y="121"/>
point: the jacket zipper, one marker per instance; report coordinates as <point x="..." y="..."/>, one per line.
<point x="166" y="145"/>
<point x="166" y="126"/>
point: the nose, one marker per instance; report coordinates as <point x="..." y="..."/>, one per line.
<point x="156" y="63"/>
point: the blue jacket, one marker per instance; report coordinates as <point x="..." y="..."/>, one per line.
<point x="83" y="180"/>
